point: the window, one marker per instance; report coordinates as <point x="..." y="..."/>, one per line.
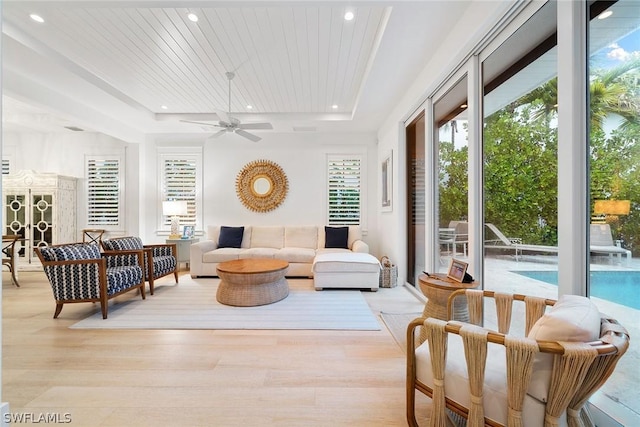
<point x="344" y="190"/>
<point x="103" y="191"/>
<point x="180" y="178"/>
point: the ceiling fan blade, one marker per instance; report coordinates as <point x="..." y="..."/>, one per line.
<point x="224" y="117"/>
<point x="254" y="138"/>
<point x="217" y="134"/>
<point x="255" y="126"/>
<point x="200" y="123"/>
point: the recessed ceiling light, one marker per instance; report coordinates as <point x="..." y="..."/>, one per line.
<point x="249" y="107"/>
<point x="164" y="107"/>
<point x="36" y="18"/>
<point x="348" y="16"/>
<point x="605" y="14"/>
<point x="334" y="106"/>
<point x="463" y="106"/>
<point x="193" y="17"/>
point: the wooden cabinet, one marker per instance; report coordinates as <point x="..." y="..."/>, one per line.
<point x="41" y="208"/>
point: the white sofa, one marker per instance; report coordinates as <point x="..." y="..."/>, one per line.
<point x="298" y="245"/>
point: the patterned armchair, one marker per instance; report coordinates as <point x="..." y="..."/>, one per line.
<point x="159" y="259"/>
<point x="78" y="272"/>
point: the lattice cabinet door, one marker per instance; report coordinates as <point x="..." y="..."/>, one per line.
<point x="41" y="208"/>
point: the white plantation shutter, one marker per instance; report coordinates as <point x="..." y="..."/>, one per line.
<point x="180" y="183"/>
<point x="103" y="192"/>
<point x="6" y="166"/>
<point x="344" y="190"/>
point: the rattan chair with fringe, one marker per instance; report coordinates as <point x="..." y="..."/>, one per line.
<point x="540" y="375"/>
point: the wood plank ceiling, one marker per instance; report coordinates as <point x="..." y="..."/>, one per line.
<point x="287" y="59"/>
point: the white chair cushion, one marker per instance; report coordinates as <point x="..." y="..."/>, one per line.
<point x="572" y="318"/>
<point x="456" y="381"/>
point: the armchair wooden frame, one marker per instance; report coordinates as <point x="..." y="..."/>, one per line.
<point x="101" y="263"/>
<point x="152" y="253"/>
<point x="613" y="342"/>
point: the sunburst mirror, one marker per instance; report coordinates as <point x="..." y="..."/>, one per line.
<point x="261" y="185"/>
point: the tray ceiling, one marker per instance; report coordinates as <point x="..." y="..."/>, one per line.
<point x="301" y="63"/>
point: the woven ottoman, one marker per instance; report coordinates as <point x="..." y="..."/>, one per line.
<point x="346" y="270"/>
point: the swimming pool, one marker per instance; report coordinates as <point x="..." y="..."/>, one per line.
<point x="621" y="287"/>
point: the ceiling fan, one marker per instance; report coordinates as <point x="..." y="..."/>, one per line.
<point x="232" y="124"/>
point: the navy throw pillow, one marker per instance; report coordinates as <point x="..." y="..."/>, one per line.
<point x="230" y="237"/>
<point x="336" y="237"/>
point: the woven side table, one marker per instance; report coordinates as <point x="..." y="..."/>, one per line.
<point x="251" y="282"/>
<point x="437" y="288"/>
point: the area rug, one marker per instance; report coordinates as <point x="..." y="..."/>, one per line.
<point x="192" y="305"/>
<point x="397" y="324"/>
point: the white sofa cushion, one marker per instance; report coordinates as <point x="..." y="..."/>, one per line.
<point x="572" y="318"/>
<point x="267" y="237"/>
<point x="258" y="253"/>
<point x="345" y="262"/>
<point x="221" y="255"/>
<point x="301" y="237"/>
<point x="301" y="255"/>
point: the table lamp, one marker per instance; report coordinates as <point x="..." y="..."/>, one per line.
<point x="173" y="209"/>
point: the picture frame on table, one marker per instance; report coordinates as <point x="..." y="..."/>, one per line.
<point x="457" y="269"/>
<point x="188" y="232"/>
<point x="386" y="172"/>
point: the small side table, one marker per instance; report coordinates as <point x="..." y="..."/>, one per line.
<point x="182" y="246"/>
<point x="437" y="288"/>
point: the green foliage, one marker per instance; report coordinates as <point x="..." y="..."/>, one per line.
<point x="521" y="164"/>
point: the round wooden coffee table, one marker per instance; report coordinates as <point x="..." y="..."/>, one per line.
<point x="251" y="282"/>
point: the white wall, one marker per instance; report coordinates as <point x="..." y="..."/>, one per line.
<point x="472" y="27"/>
<point x="301" y="156"/>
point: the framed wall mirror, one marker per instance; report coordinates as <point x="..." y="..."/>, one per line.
<point x="261" y="185"/>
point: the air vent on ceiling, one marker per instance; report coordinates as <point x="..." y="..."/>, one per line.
<point x="304" y="129"/>
<point x="73" y="128"/>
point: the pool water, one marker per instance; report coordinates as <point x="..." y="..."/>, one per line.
<point x="621" y="287"/>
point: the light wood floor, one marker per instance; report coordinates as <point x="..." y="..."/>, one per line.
<point x="197" y="378"/>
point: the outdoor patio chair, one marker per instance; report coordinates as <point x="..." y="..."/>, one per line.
<point x="159" y="259"/>
<point x="457" y="234"/>
<point x="601" y="242"/>
<point x="78" y="272"/>
<point x="476" y="376"/>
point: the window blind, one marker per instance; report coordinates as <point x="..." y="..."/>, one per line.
<point x="344" y="186"/>
<point x="179" y="183"/>
<point x="103" y="192"/>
